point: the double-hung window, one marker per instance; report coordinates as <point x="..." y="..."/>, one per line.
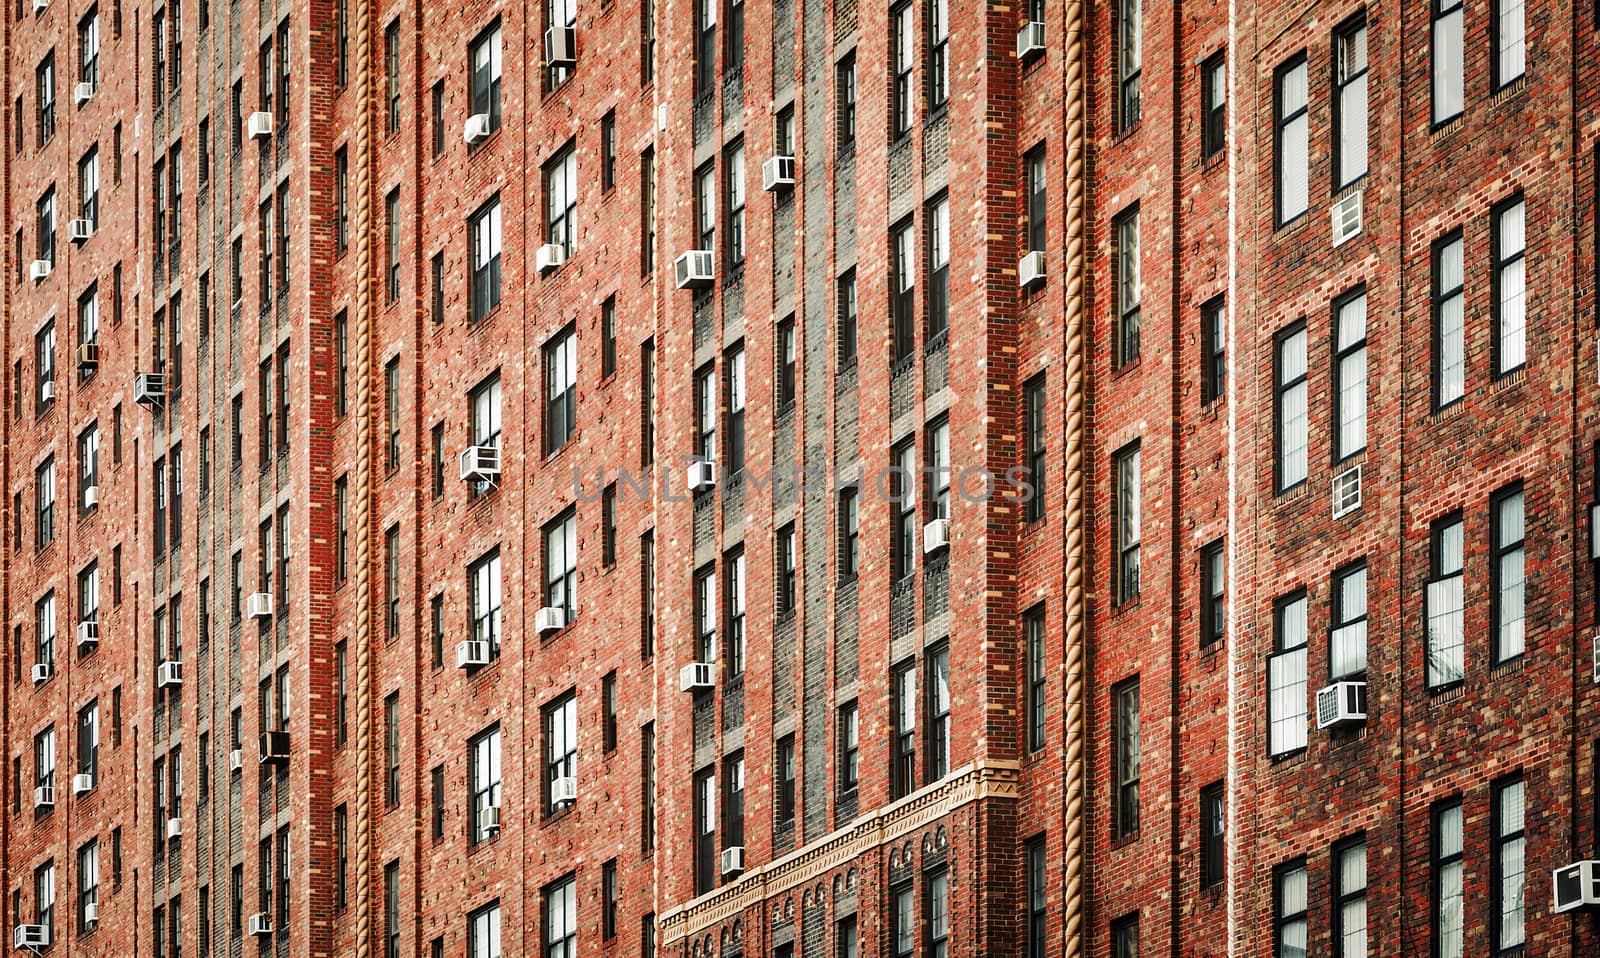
<point x="89" y="49"/>
<point x="1446" y="605"/>
<point x="561" y="198"/>
<point x="734" y="566"/>
<point x="484" y="227"/>
<point x="44" y="479"/>
<point x="1033" y="413"/>
<point x="937" y="765"/>
<point x="1507" y="594"/>
<point x="1347" y="635"/>
<point x="1350" y="899"/>
<point x="1213" y="835"/>
<point x="561" y="389"/>
<point x="705" y="830"/>
<point x="88" y="884"/>
<point x="1449" y="896"/>
<point x="902" y="20"/>
<point x="1127" y="522"/>
<point x="89" y="468"/>
<point x="1037" y="199"/>
<point x="938" y="452"/>
<point x="1449" y="322"/>
<point x="1292" y="141"/>
<point x="1130" y="287"/>
<point x="89" y="187"/>
<point x="733" y="366"/>
<point x="1449" y="78"/>
<point x="483" y="580"/>
<point x="903" y="502"/>
<point x="560" y="748"/>
<point x="45" y="93"/>
<point x="733" y="175"/>
<point x="1037" y="895"/>
<point x="485" y="411"/>
<point x="1508" y="26"/>
<point x="44" y="758"/>
<point x="1213" y="594"/>
<point x="1510" y="286"/>
<point x="903" y="734"/>
<point x="1508" y="853"/>
<point x="44" y="627"/>
<point x="1125" y="747"/>
<point x="1350" y="374"/>
<point x="788" y="566"/>
<point x="485" y="76"/>
<point x="1287" y="725"/>
<point x="1214" y="105"/>
<point x="561" y="564"/>
<point x="936" y="918"/>
<point x="1130" y="60"/>
<point x="938" y="54"/>
<point x="705" y="405"/>
<point x="705" y="48"/>
<point x="561" y="919"/>
<point x="938" y="269"/>
<point x="1290" y="412"/>
<point x="1290" y="894"/>
<point x="705" y="614"/>
<point x="559" y="15"/>
<point x="902" y="289"/>
<point x="1350" y="102"/>
<point x="1034" y="646"/>
<point x="483" y="756"/>
<point x="705" y="206"/>
<point x="483" y="932"/>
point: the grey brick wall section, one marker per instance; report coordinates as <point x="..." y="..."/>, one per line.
<point x="813" y="931"/>
<point x="844" y="207"/>
<point x="783" y="248"/>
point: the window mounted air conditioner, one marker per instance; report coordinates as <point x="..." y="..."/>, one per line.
<point x="1346" y="493"/>
<point x="91" y="914"/>
<point x="259" y="605"/>
<point x="1342" y="703"/>
<point x="549" y="257"/>
<point x="702" y="475"/>
<point x="150" y="389"/>
<point x="1577" y="886"/>
<point x="39" y="6"/>
<point x="44" y="796"/>
<point x="174" y="828"/>
<point x="697" y="675"/>
<point x="1030" y="41"/>
<point x="1346" y="218"/>
<point x="564" y="791"/>
<point x="490" y="818"/>
<point x="480" y="464"/>
<point x="83" y="92"/>
<point x="88" y="355"/>
<point x="169" y="673"/>
<point x="551" y="618"/>
<point x="79" y="230"/>
<point x="91" y="496"/>
<point x="695" y="269"/>
<point x="472" y="654"/>
<point x="88" y="635"/>
<point x="935" y="535"/>
<point x="47" y="391"/>
<point x="41" y="672"/>
<point x="38" y="270"/>
<point x="259" y="125"/>
<point x="561" y="47"/>
<point x="1030" y="271"/>
<point x="25" y="937"/>
<point x="260" y="924"/>
<point x="733" y="859"/>
<point x="236" y="760"/>
<point x="777" y="174"/>
<point x="82" y="783"/>
<point x="477" y="128"/>
<point x="274" y="747"/>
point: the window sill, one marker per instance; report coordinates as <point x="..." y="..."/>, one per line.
<point x="1442" y="130"/>
<point x="482" y="146"/>
<point x="1123" y="369"/>
<point x="1121" y="842"/>
<point x="1509" y="90"/>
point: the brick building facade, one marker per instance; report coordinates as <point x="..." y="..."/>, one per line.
<point x="412" y="546"/>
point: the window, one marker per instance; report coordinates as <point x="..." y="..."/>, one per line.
<point x="561" y="564"/>
<point x="783" y="134"/>
<point x="485" y="77"/>
<point x="844" y="102"/>
<point x="1125" y="758"/>
<point x="1508" y="27"/>
<point x="733" y="367"/>
<point x="733" y="47"/>
<point x="1037" y="186"/>
<point x="1449" y="322"/>
<point x="1347" y="638"/>
<point x="846" y="319"/>
<point x="436" y="785"/>
<point x="1506" y="572"/>
<point x="484" y="410"/>
<point x="705" y="614"/>
<point x="391" y="910"/>
<point x="88" y="466"/>
<point x="341" y="192"/>
<point x="44" y="630"/>
<point x="647" y="207"/>
<point x="391" y="749"/>
<point x="45" y="96"/>
<point x="1214" y="105"/>
<point x="484" y="227"/>
<point x="1292" y="141"/>
<point x="1034" y="648"/>
<point x="647" y="594"/>
<point x="1286" y="677"/>
<point x="903" y="731"/>
<point x="483" y="760"/>
<point x="561" y="200"/>
<point x="903" y="921"/>
<point x="391" y="580"/>
<point x="902" y="290"/>
<point x="1447" y="640"/>
<point x="1289" y="899"/>
<point x="902" y="21"/>
<point x="1449" y="898"/>
<point x="560" y="14"/>
<point x="391" y="408"/>
<point x="1037" y="891"/>
<point x="1510" y="279"/>
<point x="733" y="175"/>
<point x="849" y="533"/>
<point x="938" y="266"/>
<point x="89" y="739"/>
<point x="733" y="801"/>
<point x="89" y="593"/>
<point x="436" y="628"/>
<point x="785" y="785"/>
<point x="560" y="747"/>
<point x="1506" y="926"/>
<point x="705" y="48"/>
<point x="89" y="187"/>
<point x="936" y="910"/>
<point x="734" y="564"/>
<point x="89" y="49"/>
<point x="483" y="932"/>
<point x="1350" y="899"/>
<point x="1350" y="102"/>
<point x="608" y="151"/>
<point x="705" y="831"/>
<point x="1350" y="374"/>
<point x="1293" y="419"/>
<point x="938" y="704"/>
<point x="1125" y="937"/>
<point x="647" y="787"/>
<point x="391" y="73"/>
<point x="705" y="389"/>
<point x="1130" y="58"/>
<point x="647" y="44"/>
<point x="608" y="337"/>
<point x="1128" y="508"/>
<point x="436" y="111"/>
<point x="341" y="690"/>
<point x="391" y="244"/>
<point x="849" y="730"/>
<point x="45" y="217"/>
<point x="44" y="758"/>
<point x="705" y="206"/>
<point x="44" y="898"/>
<point x="483" y="579"/>
<point x="1213" y="836"/>
<point x="1130" y="287"/>
<point x="608" y="525"/>
<point x="903" y="505"/>
<point x="44" y="479"/>
<point x="787" y="549"/>
<point x="608" y="714"/>
<point x="1213" y="595"/>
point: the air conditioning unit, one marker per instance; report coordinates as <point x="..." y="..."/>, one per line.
<point x="1031" y="270"/>
<point x="260" y="924"/>
<point x="88" y="355"/>
<point x="564" y="790"/>
<point x="1030" y="41"/>
<point x="549" y="257"/>
<point x="47" y="391"/>
<point x="560" y="47"/>
<point x="777" y="174"/>
<point x="259" y="605"/>
<point x="702" y="475"/>
<point x="1342" y="703"/>
<point x="1347" y="218"/>
<point x="44" y="796"/>
<point x="935" y="535"/>
<point x="551" y="618"/>
<point x="259" y="125"/>
<point x="1577" y="886"/>
<point x="274" y="747"/>
<point x="236" y="760"/>
<point x="1346" y="494"/>
<point x="41" y="672"/>
<point x="79" y="230"/>
<point x="480" y="463"/>
<point x="168" y="673"/>
<point x="477" y="128"/>
<point x="733" y="859"/>
<point x="490" y="820"/>
<point x="472" y="654"/>
<point x="88" y="635"/>
<point x="91" y="496"/>
<point x="38" y="270"/>
<point x="695" y="269"/>
<point x="91" y="913"/>
<point x="697" y="675"/>
<point x="82" y="783"/>
<point x="39" y="6"/>
<point x="24" y="937"/>
<point x="174" y="828"/>
<point x="150" y="389"/>
<point x="83" y="92"/>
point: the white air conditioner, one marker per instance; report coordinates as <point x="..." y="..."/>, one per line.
<point x="1347" y="218"/>
<point x="88" y="635"/>
<point x="174" y="828"/>
<point x="44" y="796"/>
<point x="480" y="463"/>
<point x="149" y="389"/>
<point x="169" y="673"/>
<point x="88" y="355"/>
<point x="560" y="47"/>
<point x="472" y="654"/>
<point x="702" y="475"/>
<point x="38" y="270"/>
<point x="1031" y="269"/>
<point x="83" y="92"/>
<point x="259" y="605"/>
<point x="47" y="391"/>
<point x="697" y="675"/>
<point x="79" y="230"/>
<point x="25" y="937"/>
<point x="935" y="535"/>
<point x="733" y="859"/>
<point x="1577" y="886"/>
<point x="236" y="760"/>
<point x="1030" y="40"/>
<point x="259" y="125"/>
<point x="82" y="783"/>
<point x="91" y="913"/>
<point x="39" y="6"/>
<point x="1342" y="703"/>
<point x="41" y="672"/>
<point x="549" y="257"/>
<point x="260" y="924"/>
<point x="695" y="269"/>
<point x="91" y="496"/>
<point x="274" y="747"/>
<point x="777" y="173"/>
<point x="490" y="818"/>
<point x="1346" y="493"/>
<point x="551" y="618"/>
<point x="564" y="790"/>
<point x="477" y="128"/>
